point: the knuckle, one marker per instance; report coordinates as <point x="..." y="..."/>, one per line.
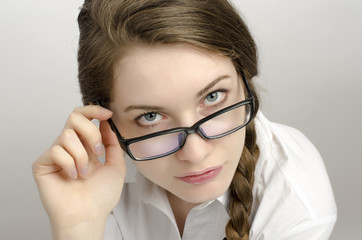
<point x="77" y="109"/>
<point x="54" y="150"/>
<point x="74" y="116"/>
<point x="57" y="154"/>
<point x="67" y="134"/>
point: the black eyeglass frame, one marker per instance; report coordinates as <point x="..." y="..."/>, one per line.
<point x="195" y="128"/>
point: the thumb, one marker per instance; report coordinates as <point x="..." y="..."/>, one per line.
<point x="114" y="152"/>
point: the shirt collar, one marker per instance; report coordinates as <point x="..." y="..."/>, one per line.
<point x="263" y="139"/>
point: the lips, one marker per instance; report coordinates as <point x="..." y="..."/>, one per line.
<point x="201" y="177"/>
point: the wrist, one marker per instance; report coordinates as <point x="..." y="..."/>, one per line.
<point x="88" y="230"/>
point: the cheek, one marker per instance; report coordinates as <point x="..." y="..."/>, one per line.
<point x="233" y="144"/>
<point x="153" y="170"/>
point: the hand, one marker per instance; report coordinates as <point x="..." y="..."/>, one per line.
<point x="78" y="192"/>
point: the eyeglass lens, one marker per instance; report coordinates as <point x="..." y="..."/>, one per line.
<point x="164" y="144"/>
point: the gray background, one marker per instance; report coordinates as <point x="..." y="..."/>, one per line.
<point x="311" y="61"/>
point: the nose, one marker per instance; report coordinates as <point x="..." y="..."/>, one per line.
<point x="195" y="150"/>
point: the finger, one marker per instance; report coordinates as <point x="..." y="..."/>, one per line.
<point x="86" y="130"/>
<point x="94" y="112"/>
<point x="74" y="147"/>
<point x="114" y="152"/>
<point x="54" y="160"/>
<point x="92" y="158"/>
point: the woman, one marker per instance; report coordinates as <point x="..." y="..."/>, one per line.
<point x="171" y="84"/>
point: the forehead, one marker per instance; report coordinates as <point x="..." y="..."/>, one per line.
<point x="154" y="71"/>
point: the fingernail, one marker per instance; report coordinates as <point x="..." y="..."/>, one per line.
<point x="98" y="149"/>
<point x="84" y="171"/>
<point x="74" y="174"/>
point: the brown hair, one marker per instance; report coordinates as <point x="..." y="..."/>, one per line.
<point x="110" y="27"/>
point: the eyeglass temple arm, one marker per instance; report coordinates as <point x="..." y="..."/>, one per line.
<point x="111" y="124"/>
<point x="250" y="93"/>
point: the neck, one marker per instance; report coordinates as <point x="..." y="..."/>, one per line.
<point x="180" y="209"/>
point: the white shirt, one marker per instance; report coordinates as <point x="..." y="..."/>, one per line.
<point x="293" y="198"/>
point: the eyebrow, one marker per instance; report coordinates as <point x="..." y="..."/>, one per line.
<point x="212" y="84"/>
<point x="199" y="94"/>
<point x="143" y="107"/>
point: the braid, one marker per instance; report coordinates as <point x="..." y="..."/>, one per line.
<point x="241" y="187"/>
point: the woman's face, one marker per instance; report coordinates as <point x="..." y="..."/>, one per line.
<point x="166" y="86"/>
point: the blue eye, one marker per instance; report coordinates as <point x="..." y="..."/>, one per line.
<point x="150" y="116"/>
<point x="148" y="119"/>
<point x="214" y="97"/>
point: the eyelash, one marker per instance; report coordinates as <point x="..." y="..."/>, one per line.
<point x="223" y="90"/>
<point x="142" y="115"/>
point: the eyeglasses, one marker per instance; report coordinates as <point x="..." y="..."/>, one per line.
<point x="216" y="125"/>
